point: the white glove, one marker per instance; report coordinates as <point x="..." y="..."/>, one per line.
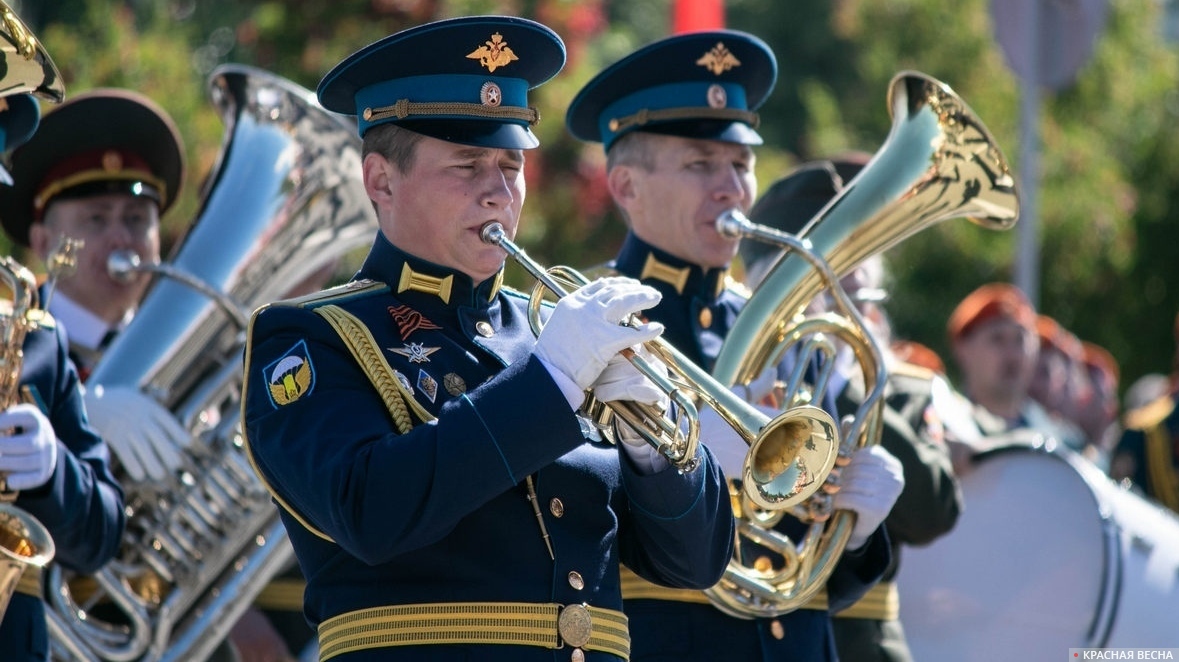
<point x="584" y="331"/>
<point x="28" y="447"/>
<point x="621" y="380"/>
<point x="144" y="436"/>
<point x="871" y="483"/>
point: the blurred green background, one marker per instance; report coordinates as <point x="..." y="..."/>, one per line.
<point x="1109" y="160"/>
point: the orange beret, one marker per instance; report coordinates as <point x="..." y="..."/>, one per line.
<point x="1099" y="358"/>
<point x="1054" y="336"/>
<point x="991" y="301"/>
<point x="910" y="351"/>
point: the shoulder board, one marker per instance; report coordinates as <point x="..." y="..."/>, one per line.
<point x="738" y="287"/>
<point x="1148" y="416"/>
<point x="336" y="294"/>
<point x="902" y="369"/>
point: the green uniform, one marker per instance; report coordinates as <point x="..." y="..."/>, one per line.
<point x="927" y="508"/>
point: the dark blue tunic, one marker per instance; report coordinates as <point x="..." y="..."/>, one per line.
<point x="441" y="513"/>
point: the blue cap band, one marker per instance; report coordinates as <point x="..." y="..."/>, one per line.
<point x="447" y="88"/>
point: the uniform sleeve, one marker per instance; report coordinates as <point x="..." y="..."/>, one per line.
<point x="82" y="504"/>
<point x="931" y="500"/>
<point x="679" y="526"/>
<point x="859" y="570"/>
<point x="332" y="457"/>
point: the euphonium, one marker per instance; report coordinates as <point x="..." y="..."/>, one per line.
<point x="938" y="162"/>
<point x="773" y="441"/>
<point x="25" y="543"/>
<point x="284" y="203"/>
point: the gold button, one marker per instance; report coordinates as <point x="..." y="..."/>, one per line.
<point x="556" y="507"/>
<point x="578" y="655"/>
<point x="763" y="564"/>
<point x="776" y="629"/>
<point x="576" y="581"/>
<point x="705" y="318"/>
<point x="484" y="328"/>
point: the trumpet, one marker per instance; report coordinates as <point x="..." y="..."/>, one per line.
<point x="789" y="455"/>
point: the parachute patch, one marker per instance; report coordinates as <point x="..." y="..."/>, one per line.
<point x="291" y="377"/>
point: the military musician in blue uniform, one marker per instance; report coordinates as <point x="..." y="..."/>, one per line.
<point x="54" y="464"/>
<point x="677" y="119"/>
<point x="444" y="500"/>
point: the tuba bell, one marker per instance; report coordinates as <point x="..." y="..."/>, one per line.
<point x="938" y="162"/>
<point x="283" y="204"/>
<point x="27" y="67"/>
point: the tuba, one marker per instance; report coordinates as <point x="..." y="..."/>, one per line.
<point x="283" y="204"/>
<point x="27" y="67"/>
<point x="938" y="162"/>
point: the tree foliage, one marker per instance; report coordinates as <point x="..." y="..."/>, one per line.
<point x="1109" y="153"/>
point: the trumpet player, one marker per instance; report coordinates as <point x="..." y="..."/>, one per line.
<point x="54" y="464"/>
<point x="424" y="448"/>
<point x="677" y="120"/>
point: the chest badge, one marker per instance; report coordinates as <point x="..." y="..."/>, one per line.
<point x="416" y="352"/>
<point x="427" y="385"/>
<point x="409" y="320"/>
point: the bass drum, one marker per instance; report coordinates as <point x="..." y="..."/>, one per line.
<point x="1048" y="554"/>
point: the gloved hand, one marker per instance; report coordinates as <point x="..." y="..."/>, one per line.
<point x="144" y="436"/>
<point x="621" y="380"/>
<point x="871" y="483"/>
<point x="583" y="333"/>
<point x="28" y="447"/>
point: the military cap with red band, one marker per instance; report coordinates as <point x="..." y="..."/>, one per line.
<point x="101" y="141"/>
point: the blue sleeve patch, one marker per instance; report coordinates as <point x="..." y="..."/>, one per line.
<point x="291" y="376"/>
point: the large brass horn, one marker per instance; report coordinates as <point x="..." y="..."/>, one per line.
<point x="782" y="469"/>
<point x="27" y="67"/>
<point x="938" y="162"/>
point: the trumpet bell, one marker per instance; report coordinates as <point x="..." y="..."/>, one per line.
<point x="791" y="457"/>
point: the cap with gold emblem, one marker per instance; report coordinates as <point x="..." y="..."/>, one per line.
<point x="102" y="141"/>
<point x="696" y="85"/>
<point x="463" y="80"/>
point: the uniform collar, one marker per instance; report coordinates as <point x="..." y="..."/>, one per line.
<point x="641" y="260"/>
<point x="85" y="329"/>
<point x="413" y="277"/>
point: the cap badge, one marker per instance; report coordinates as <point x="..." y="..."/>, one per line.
<point x="494" y="53"/>
<point x="490" y="94"/>
<point x="717" y="97"/>
<point x="718" y="60"/>
<point x="112" y="161"/>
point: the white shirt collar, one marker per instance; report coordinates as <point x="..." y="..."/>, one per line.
<point x="82" y="326"/>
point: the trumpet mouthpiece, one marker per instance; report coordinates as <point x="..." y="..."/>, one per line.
<point x="492" y="233"/>
<point x="121" y="265"/>
<point x="731" y="222"/>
